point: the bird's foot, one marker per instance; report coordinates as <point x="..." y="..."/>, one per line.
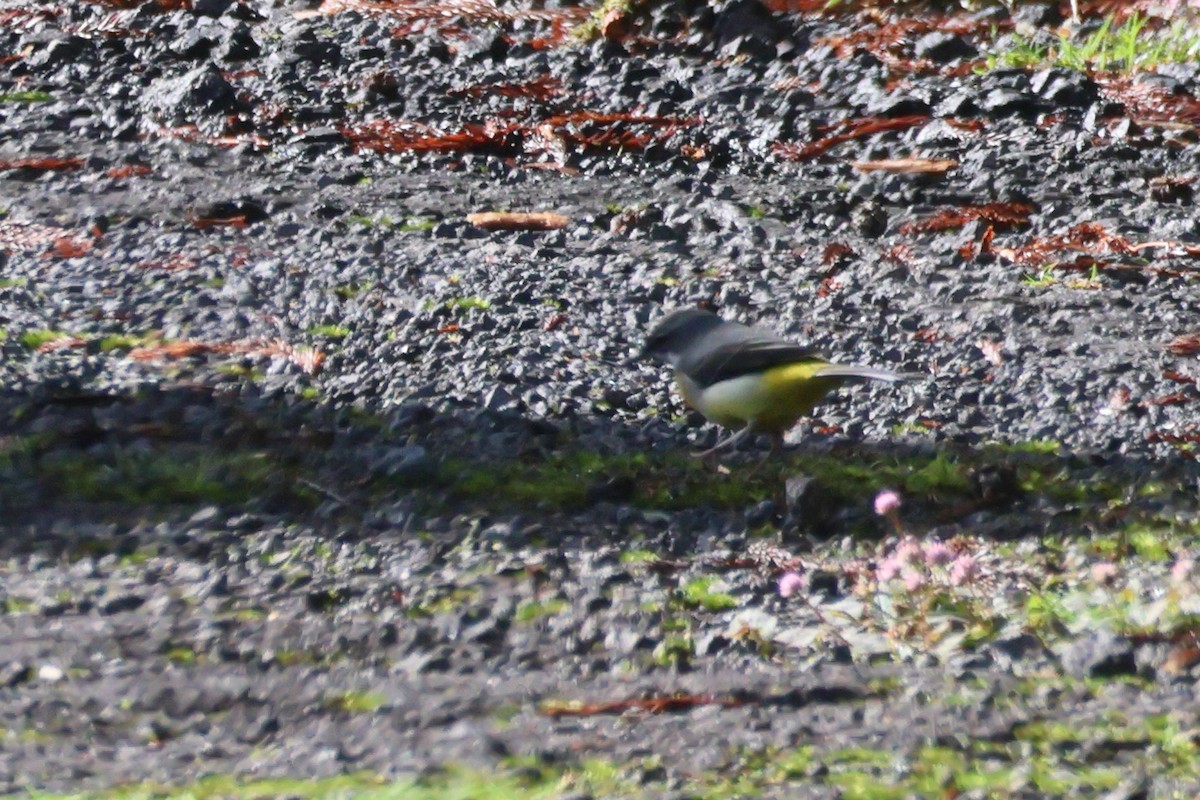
<point x="725" y="444"/>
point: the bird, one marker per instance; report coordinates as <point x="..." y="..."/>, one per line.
<point x="745" y="378"/>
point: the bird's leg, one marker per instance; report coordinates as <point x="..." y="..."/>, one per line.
<point x="776" y="443"/>
<point x="776" y="450"/>
<point x="727" y="444"/>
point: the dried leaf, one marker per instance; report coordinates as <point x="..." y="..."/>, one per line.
<point x="650" y="705"/>
<point x="27" y="237"/>
<point x="1147" y="102"/>
<point x="835" y="252"/>
<point x="1173" y="399"/>
<point x="1181" y="659"/>
<point x="203" y="223"/>
<point x="308" y="359"/>
<point x="447" y="17"/>
<point x="616" y="25"/>
<point x="70" y="247"/>
<point x="852" y="129"/>
<point x="928" y="335"/>
<point x="129" y="171"/>
<point x="544" y="87"/>
<point x="828" y="286"/>
<point x="62" y="343"/>
<point x="176" y="263"/>
<point x="1190" y="437"/>
<point x="514" y="221"/>
<point x="909" y="166"/>
<point x="992" y="351"/>
<point x="42" y="164"/>
<point x="997" y="214"/>
<point x="969" y="125"/>
<point x="1091" y="240"/>
<point x="587" y="130"/>
<point x="900" y="254"/>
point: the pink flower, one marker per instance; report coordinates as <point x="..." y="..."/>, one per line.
<point x="889" y="569"/>
<point x="790" y="583"/>
<point x="1182" y="570"/>
<point x="886" y="503"/>
<point x="1104" y="573"/>
<point x="964" y="570"/>
<point x="909" y="551"/>
<point x="938" y="555"/>
<point x="913" y="580"/>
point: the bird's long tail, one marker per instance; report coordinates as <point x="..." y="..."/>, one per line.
<point x="862" y="373"/>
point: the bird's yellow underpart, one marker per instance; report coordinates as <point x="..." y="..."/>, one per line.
<point x="770" y="401"/>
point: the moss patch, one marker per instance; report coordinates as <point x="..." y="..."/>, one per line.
<point x="676" y="480"/>
<point x="167" y="475"/>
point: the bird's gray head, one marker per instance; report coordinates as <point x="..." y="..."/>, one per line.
<point x="673" y="333"/>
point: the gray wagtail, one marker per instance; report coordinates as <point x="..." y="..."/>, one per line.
<point x="743" y="378"/>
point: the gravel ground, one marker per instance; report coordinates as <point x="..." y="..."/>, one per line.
<point x="306" y="475"/>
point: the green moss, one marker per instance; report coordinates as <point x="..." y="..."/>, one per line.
<point x="674" y="651"/>
<point x="1042" y="759"/>
<point x="1033" y="447"/>
<point x="468" y="304"/>
<point x="25" y="735"/>
<point x="638" y="556"/>
<point x="443" y="603"/>
<point x="184" y="656"/>
<point x="536" y="609"/>
<point x="120" y="341"/>
<point x="16" y="605"/>
<point x="385" y="222"/>
<point x="169" y="476"/>
<point x="31" y="96"/>
<point x="858" y="756"/>
<point x="1150" y="543"/>
<point x="248" y="614"/>
<point x="330" y="331"/>
<point x="241" y="371"/>
<point x="139" y="557"/>
<point x="1046" y="613"/>
<point x="33" y="339"/>
<point x="699" y="594"/>
<point x="367" y="221"/>
<point x="349" y="291"/>
<point x="354" y="702"/>
<point x="665" y="481"/>
<point x="942" y="475"/>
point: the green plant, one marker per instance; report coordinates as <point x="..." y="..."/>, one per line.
<point x="33" y="339"/>
<point x="699" y="593"/>
<point x="1134" y="45"/>
<point x="31" y="96"/>
<point x="330" y="331"/>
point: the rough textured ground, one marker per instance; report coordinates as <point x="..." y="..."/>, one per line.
<point x="304" y="475"/>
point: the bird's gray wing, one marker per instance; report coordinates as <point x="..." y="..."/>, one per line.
<point x="734" y="353"/>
